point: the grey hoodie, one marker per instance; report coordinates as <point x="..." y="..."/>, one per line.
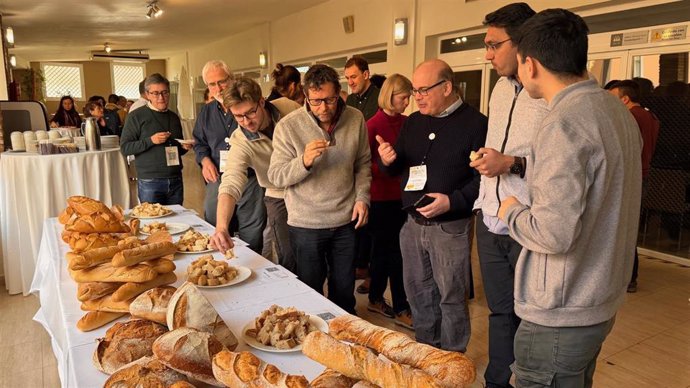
<point x="581" y="229"/>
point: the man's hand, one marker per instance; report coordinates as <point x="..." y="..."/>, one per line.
<point x="160" y="137"/>
<point x="440" y="205"/>
<point x="505" y="204"/>
<point x="187" y="146"/>
<point x="209" y="170"/>
<point x="312" y="151"/>
<point x="360" y="213"/>
<point x="386" y="151"/>
<point x="492" y="163"/>
<point x="221" y="240"/>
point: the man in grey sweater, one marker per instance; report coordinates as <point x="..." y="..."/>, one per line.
<point x="580" y="230"/>
<point x="321" y="157"/>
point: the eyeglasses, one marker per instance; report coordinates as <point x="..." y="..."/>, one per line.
<point x="317" y="101"/>
<point x="164" y="93"/>
<point x="494" y="46"/>
<point x="425" y="90"/>
<point x="248" y="115"/>
<point x="223" y="83"/>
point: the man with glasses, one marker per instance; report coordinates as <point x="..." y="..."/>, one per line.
<point x="321" y="157"/>
<point x="439" y="188"/>
<point x="251" y="145"/>
<point x="213" y="126"/>
<point x="149" y="134"/>
<point x="514" y="118"/>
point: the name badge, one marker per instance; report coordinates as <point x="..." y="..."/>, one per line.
<point x="172" y="156"/>
<point x="223" y="160"/>
<point x="417" y="179"/>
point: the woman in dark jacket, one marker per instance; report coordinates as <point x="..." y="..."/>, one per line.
<point x="107" y="120"/>
<point x="66" y="115"/>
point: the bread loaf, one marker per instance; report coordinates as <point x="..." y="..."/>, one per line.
<point x="125" y="342"/>
<point x="132" y="290"/>
<point x="245" y="370"/>
<point x="139" y="273"/>
<point x="143" y="253"/>
<point x="450" y="369"/>
<point x="152" y="304"/>
<point x="84" y="205"/>
<point x="160" y="265"/>
<point x="91" y="216"/>
<point x="189" y="308"/>
<point x="106" y="304"/>
<point x="80" y="242"/>
<point x="332" y="379"/>
<point x="146" y="372"/>
<point x="90" y="258"/>
<point x="95" y="290"/>
<point x="95" y="319"/>
<point x="360" y="363"/>
<point x="190" y="352"/>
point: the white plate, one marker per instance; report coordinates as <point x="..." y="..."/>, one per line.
<point x="172" y="227"/>
<point x="243" y="274"/>
<point x="151" y="217"/>
<point x="195" y="252"/>
<point x="319" y="323"/>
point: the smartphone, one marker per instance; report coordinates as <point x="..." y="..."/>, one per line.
<point x="423" y="201"/>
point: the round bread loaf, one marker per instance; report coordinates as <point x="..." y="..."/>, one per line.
<point x="125" y="342"/>
<point x="146" y="372"/>
<point x="190" y="352"/>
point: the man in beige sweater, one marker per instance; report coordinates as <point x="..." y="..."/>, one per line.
<point x="321" y="157"/>
<point x="251" y="145"/>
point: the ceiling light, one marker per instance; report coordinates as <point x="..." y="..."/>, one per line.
<point x="149" y="12"/>
<point x="107" y="48"/>
<point x="157" y="11"/>
<point x="9" y="36"/>
<point x="153" y="10"/>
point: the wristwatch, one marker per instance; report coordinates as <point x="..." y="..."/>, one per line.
<point x="518" y="168"/>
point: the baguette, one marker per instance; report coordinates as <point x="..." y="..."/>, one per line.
<point x="143" y="253"/>
<point x="91" y="258"/>
<point x="106" y="304"/>
<point x="125" y="342"/>
<point x="245" y="370"/>
<point x="450" y="369"/>
<point x="139" y="273"/>
<point x="190" y="352"/>
<point x="152" y="304"/>
<point x="360" y="363"/>
<point x="146" y="372"/>
<point x="131" y="290"/>
<point x="161" y="265"/>
<point x="95" y="319"/>
<point x="95" y="290"/>
<point x="332" y="379"/>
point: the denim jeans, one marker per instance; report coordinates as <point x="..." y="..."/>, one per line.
<point x="165" y="191"/>
<point x="249" y="219"/>
<point x="385" y="221"/>
<point x="436" y="272"/>
<point x="322" y="253"/>
<point x="563" y="357"/>
<point x="498" y="255"/>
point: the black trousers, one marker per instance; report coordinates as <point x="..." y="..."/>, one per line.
<point x="327" y="252"/>
<point x="498" y="255"/>
<point x="385" y="220"/>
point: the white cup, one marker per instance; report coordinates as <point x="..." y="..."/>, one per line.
<point x="17" y="139"/>
<point x="41" y="135"/>
<point x="54" y="134"/>
<point x="29" y="135"/>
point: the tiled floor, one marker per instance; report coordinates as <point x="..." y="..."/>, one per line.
<point x="649" y="345"/>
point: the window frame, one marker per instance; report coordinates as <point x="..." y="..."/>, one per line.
<point x="64" y="64"/>
<point x="113" y="87"/>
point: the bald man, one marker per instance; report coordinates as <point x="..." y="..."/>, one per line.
<point x="439" y="189"/>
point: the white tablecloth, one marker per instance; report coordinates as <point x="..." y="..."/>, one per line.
<point x="237" y="305"/>
<point x="34" y="187"/>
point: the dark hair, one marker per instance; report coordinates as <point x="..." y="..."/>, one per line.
<point x="557" y="38"/>
<point x="61" y="115"/>
<point x="609" y="85"/>
<point x="91" y="105"/>
<point x="284" y="76"/>
<point x="359" y="61"/>
<point x="154" y="79"/>
<point x="113" y="98"/>
<point x="98" y="99"/>
<point x="378" y="80"/>
<point x="646" y="86"/>
<point x="142" y="87"/>
<point x="509" y="17"/>
<point x="321" y="74"/>
<point x="628" y="88"/>
<point x="244" y="89"/>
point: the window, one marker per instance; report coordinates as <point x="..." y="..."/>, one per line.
<point x="63" y="79"/>
<point x="126" y="79"/>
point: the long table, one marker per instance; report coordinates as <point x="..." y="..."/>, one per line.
<point x="237" y="305"/>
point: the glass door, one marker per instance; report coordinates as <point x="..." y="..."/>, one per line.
<point x="476" y="83"/>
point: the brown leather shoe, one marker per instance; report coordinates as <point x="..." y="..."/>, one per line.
<point x="404" y="319"/>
